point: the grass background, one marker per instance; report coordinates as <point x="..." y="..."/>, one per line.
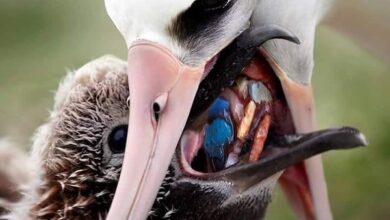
<point x="40" y="39"/>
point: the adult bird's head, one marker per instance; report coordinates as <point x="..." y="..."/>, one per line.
<point x="176" y="47"/>
<point x="172" y="45"/>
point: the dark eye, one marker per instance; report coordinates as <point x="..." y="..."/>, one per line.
<point x="117" y="139"/>
<point x="214" y="4"/>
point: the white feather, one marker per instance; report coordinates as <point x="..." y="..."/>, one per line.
<point x="145" y="19"/>
<point x="300" y="17"/>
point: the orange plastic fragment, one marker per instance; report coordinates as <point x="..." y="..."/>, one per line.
<point x="246" y="122"/>
<point x="260" y="137"/>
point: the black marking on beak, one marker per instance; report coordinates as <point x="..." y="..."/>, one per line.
<point x="288" y="150"/>
<point x="232" y="60"/>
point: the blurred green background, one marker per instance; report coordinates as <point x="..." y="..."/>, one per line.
<point x="40" y="40"/>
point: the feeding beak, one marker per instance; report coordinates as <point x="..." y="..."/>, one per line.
<point x="162" y="92"/>
<point x="304" y="184"/>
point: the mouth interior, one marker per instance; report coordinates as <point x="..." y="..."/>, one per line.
<point x="237" y="127"/>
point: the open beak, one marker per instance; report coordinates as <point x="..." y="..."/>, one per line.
<point x="162" y="92"/>
<point x="289" y="150"/>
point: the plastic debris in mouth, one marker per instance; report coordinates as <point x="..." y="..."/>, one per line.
<point x="218" y="135"/>
<point x="259" y="92"/>
<point x="245" y="124"/>
<point x="235" y="128"/>
<point x="240" y="118"/>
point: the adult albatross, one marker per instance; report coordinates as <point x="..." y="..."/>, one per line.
<point x="77" y="156"/>
<point x="174" y="45"/>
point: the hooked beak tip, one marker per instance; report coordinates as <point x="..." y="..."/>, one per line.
<point x="363" y="139"/>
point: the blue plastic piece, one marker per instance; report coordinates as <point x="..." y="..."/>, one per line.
<point x="218" y="134"/>
<point x="219" y="108"/>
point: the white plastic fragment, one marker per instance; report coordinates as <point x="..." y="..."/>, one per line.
<point x="259" y="92"/>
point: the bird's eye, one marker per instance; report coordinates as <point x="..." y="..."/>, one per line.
<point x="214" y="4"/>
<point x="117" y="139"/>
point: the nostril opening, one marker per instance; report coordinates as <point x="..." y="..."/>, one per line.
<point x="156" y="111"/>
<point x="158" y="106"/>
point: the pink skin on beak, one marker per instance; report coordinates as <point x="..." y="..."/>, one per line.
<point x="162" y="90"/>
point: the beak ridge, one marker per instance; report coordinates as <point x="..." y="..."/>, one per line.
<point x="162" y="91"/>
